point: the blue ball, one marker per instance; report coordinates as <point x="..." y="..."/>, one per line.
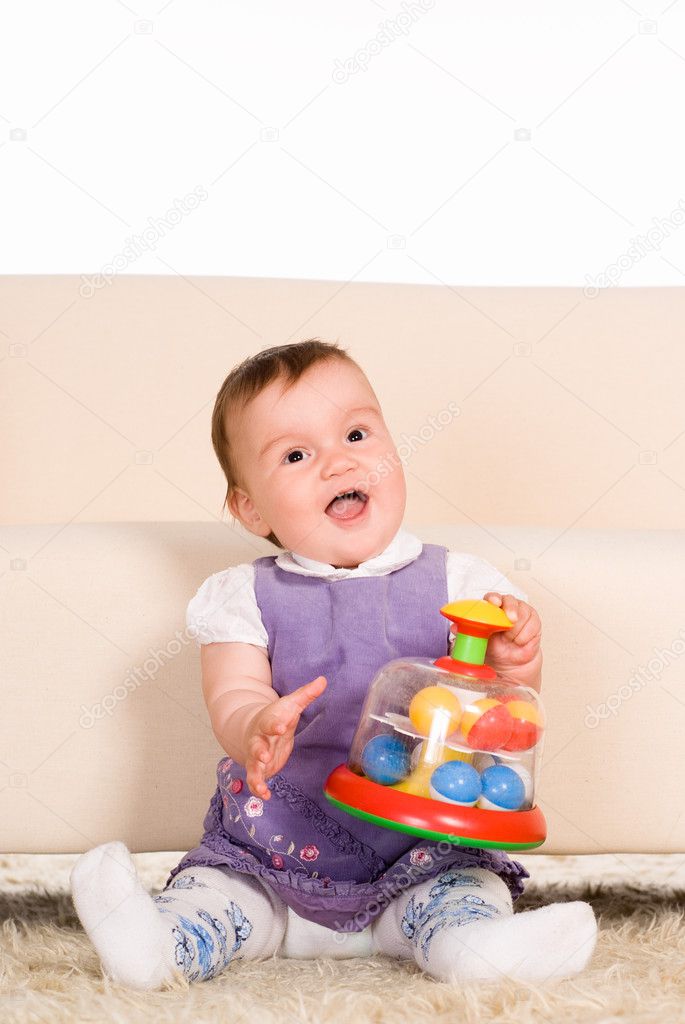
<point x="385" y="759"/>
<point x="503" y="786"/>
<point x="457" y="782"/>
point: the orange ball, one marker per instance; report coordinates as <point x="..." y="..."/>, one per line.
<point x="435" y="704"/>
<point x="527" y="724"/>
<point x="487" y="724"/>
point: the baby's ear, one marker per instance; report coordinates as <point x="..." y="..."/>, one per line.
<point x="241" y="506"/>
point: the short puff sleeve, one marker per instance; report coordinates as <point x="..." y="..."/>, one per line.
<point x="225" y="609"/>
<point x="469" y="576"/>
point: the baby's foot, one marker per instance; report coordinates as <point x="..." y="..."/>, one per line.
<point x="121" y="918"/>
<point x="556" y="941"/>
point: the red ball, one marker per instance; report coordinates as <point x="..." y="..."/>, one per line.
<point x="487" y="724"/>
<point x="527" y="723"/>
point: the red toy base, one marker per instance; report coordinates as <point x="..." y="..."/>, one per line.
<point x="435" y="819"/>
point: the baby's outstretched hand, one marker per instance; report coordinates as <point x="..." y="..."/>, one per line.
<point x="271" y="733"/>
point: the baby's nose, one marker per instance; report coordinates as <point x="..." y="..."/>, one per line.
<point x="340" y="461"/>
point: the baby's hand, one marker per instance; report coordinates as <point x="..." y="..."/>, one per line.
<point x="519" y="646"/>
<point x="270" y="735"/>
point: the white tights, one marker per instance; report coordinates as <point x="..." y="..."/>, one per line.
<point x="457" y="926"/>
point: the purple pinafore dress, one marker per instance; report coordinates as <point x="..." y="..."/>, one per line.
<point x="330" y="867"/>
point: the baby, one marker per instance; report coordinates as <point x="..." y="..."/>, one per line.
<point x="289" y="646"/>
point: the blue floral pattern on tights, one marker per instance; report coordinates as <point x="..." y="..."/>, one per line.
<point x="187" y="882"/>
<point x="420" y="921"/>
<point x="210" y="959"/>
<point x="241" y="924"/>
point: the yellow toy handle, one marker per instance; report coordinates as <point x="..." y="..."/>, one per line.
<point x="477" y="621"/>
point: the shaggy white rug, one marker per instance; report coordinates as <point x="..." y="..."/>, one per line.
<point x="49" y="971"/>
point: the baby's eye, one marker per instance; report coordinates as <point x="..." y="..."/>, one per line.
<point x="296" y="451"/>
<point x="298" y="455"/>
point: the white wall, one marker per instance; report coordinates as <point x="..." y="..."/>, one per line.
<point x="428" y="141"/>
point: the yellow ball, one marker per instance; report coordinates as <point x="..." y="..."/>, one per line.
<point x="435" y="704"/>
<point x="457" y="755"/>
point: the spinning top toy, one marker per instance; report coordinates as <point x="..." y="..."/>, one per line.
<point x="446" y="749"/>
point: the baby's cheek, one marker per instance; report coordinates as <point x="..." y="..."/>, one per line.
<point x="289" y="503"/>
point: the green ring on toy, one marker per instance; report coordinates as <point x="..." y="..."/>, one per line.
<point x="434" y="819"/>
<point x="477" y="621"/>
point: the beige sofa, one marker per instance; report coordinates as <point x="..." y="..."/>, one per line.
<point x="561" y="461"/>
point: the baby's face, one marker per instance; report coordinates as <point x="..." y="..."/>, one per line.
<point x="297" y="449"/>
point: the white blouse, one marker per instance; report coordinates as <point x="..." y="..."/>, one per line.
<point x="225" y="609"/>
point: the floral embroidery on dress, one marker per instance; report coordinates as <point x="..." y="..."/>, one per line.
<point x="339" y="837"/>
<point x="421" y="856"/>
<point x="254" y="807"/>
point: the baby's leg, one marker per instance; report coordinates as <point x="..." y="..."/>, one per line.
<point x="461" y="926"/>
<point x="307" y="940"/>
<point x="193" y="929"/>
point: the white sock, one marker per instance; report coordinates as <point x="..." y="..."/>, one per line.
<point x="193" y="929"/>
<point x="461" y="926"/>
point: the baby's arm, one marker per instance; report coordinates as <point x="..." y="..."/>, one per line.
<point x="236" y="683"/>
<point x="252" y="723"/>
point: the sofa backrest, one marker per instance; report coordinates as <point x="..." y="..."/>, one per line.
<point x="523" y="406"/>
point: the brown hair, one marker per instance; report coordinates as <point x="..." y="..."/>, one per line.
<point x="245" y="381"/>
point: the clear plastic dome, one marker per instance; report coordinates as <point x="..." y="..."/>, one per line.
<point x="438" y="734"/>
<point x="445" y="748"/>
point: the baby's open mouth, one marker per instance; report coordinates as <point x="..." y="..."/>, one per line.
<point x="347" y="505"/>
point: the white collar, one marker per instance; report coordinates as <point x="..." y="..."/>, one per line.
<point x="402" y="549"/>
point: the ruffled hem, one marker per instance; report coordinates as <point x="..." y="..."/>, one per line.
<point x="344" y="905"/>
<point x="341" y="838"/>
